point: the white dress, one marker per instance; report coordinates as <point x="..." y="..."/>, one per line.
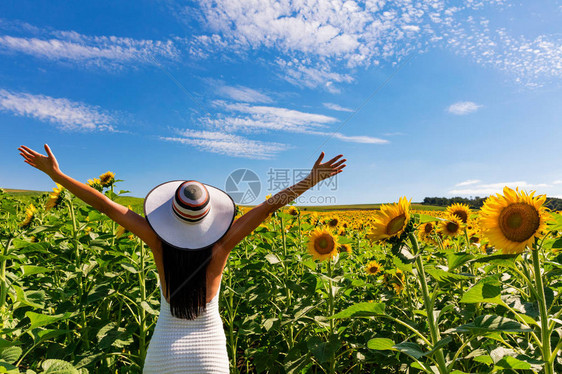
<point x="188" y="346"/>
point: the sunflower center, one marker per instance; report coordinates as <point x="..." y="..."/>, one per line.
<point x="428" y="228"/>
<point x="462" y="215"/>
<point x="324" y="244"/>
<point x="519" y="221"/>
<point x="452" y="227"/>
<point x="396" y="224"/>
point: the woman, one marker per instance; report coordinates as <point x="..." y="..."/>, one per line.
<point x="189" y="228"/>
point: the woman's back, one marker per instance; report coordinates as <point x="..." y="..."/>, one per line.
<point x="188" y="346"/>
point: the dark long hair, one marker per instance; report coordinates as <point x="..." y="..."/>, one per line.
<point x="185" y="272"/>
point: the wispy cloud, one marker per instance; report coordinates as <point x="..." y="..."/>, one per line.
<point x="398" y="133"/>
<point x="463" y="107"/>
<point x="101" y="51"/>
<point x="228" y="144"/>
<point x="482" y="190"/>
<point x="468" y="182"/>
<point x="257" y="118"/>
<point x="241" y="93"/>
<point x="64" y="113"/>
<point x="353" y="138"/>
<point x="337" y="107"/>
<point x="530" y="61"/>
<point x="319" y="43"/>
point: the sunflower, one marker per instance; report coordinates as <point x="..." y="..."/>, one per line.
<point x="107" y="179"/>
<point x="322" y="244"/>
<point x="344" y="248"/>
<point x="452" y="226"/>
<point x="395" y="281"/>
<point x="95" y="183"/>
<point x="55" y="197"/>
<point x="120" y="231"/>
<point x="391" y="220"/>
<point x="425" y="231"/>
<point x="293" y="211"/>
<point x="373" y="268"/>
<point x="462" y="211"/>
<point x="29" y="214"/>
<point x="333" y="222"/>
<point x="512" y="221"/>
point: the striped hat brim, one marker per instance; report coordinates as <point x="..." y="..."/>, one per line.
<point x="158" y="210"/>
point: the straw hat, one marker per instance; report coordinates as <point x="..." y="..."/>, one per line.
<point x="188" y="214"/>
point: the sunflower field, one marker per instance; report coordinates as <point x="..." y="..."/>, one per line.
<point x="394" y="290"/>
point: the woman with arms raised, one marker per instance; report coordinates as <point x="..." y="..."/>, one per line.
<point x="189" y="227"/>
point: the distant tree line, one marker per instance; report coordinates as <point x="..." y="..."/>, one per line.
<point x="552" y="203"/>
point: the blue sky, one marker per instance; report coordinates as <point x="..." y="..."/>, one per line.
<point x="424" y="98"/>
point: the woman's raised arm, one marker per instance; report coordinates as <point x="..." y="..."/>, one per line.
<point x="130" y="220"/>
<point x="244" y="225"/>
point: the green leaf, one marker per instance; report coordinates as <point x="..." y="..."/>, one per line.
<point x="505" y="260"/>
<point x="31" y="269"/>
<point x="487" y="290"/>
<point x="34" y="299"/>
<point x="322" y="350"/>
<point x="38" y="320"/>
<point x="310" y="263"/>
<point x="485" y="359"/>
<point x="440" y="344"/>
<point x="10" y="354"/>
<point x="147" y="308"/>
<point x="424" y="218"/>
<point x="42" y="335"/>
<point x="54" y="366"/>
<point x="381" y="344"/>
<point x="445" y="276"/>
<point x="491" y="323"/>
<point x="272" y="258"/>
<point x="8" y="368"/>
<point x="129" y="268"/>
<point x="411" y="349"/>
<point x="509" y="362"/>
<point x="456" y="260"/>
<point x="361" y="310"/>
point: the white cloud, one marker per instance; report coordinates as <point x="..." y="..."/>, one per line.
<point x="398" y="133"/>
<point x="468" y="182"/>
<point x="354" y="138"/>
<point x="557" y="182"/>
<point x="463" y="107"/>
<point x="493" y="188"/>
<point x="302" y="74"/>
<point x="317" y="42"/>
<point x="228" y="144"/>
<point x="257" y="118"/>
<point x="65" y="114"/>
<point x="241" y="93"/>
<point x="337" y="107"/>
<point x="274" y="117"/>
<point x="530" y="61"/>
<point x="103" y="51"/>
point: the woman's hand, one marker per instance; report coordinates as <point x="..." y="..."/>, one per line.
<point x="321" y="171"/>
<point x="47" y="164"/>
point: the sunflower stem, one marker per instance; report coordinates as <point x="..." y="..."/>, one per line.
<point x="331" y="313"/>
<point x="79" y="272"/>
<point x="285" y="271"/>
<point x="433" y="328"/>
<point x="4" y="290"/>
<point x="545" y="333"/>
